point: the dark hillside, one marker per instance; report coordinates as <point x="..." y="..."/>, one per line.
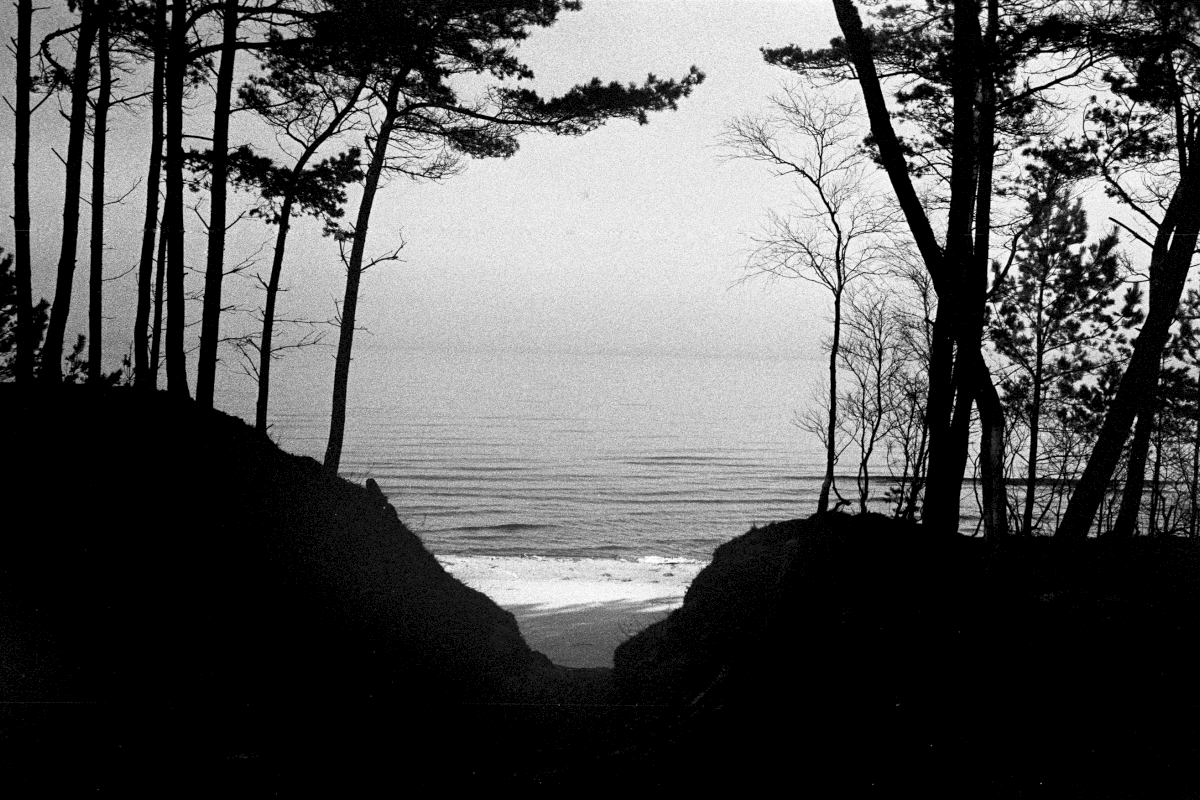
<point x="866" y="654"/>
<point x="174" y="586"/>
<point x="178" y="597"/>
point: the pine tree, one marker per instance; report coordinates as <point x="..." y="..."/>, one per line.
<point x="10" y="326"/>
<point x="1049" y="309"/>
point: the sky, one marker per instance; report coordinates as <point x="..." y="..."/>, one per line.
<point x="626" y="240"/>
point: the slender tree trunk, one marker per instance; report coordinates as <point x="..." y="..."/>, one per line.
<point x="26" y="334"/>
<point x="956" y="454"/>
<point x="831" y="431"/>
<point x="1195" y="489"/>
<point x="341" y="372"/>
<point x="156" y="332"/>
<point x="173" y="217"/>
<point x="214" y="272"/>
<point x="1035" y="414"/>
<point x="991" y="419"/>
<point x="268" y="329"/>
<point x="99" y="144"/>
<point x="987" y="398"/>
<point x="1135" y="478"/>
<point x="951" y="271"/>
<point x="1034" y="421"/>
<point x="959" y="257"/>
<point x="1169" y="263"/>
<point x="918" y="469"/>
<point x="51" y="361"/>
<point x="285" y="219"/>
<point x="144" y="377"/>
<point x="940" y="509"/>
<point x="1156" y="480"/>
<point x="873" y="433"/>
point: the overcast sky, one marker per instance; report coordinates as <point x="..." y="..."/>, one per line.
<point x="626" y="240"/>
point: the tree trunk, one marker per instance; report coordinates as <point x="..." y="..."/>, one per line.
<point x="1169" y="263"/>
<point x="939" y="404"/>
<point x="268" y="328"/>
<point x="214" y="272"/>
<point x="285" y="218"/>
<point x="956" y="454"/>
<point x="173" y="212"/>
<point x="341" y="372"/>
<point x="966" y="156"/>
<point x="1135" y="477"/>
<point x="144" y="377"/>
<point x="991" y="418"/>
<point x="26" y="342"/>
<point x="830" y="444"/>
<point x="1031" y="473"/>
<point x="1195" y="490"/>
<point x="918" y="480"/>
<point x="99" y="143"/>
<point x="51" y="361"/>
<point x="159" y="279"/>
<point x="1156" y="481"/>
<point x="952" y="271"/>
<point x="987" y="399"/>
<point x="941" y="495"/>
<point x="1035" y="413"/>
<point x="873" y="436"/>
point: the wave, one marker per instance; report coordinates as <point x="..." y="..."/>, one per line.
<point x="669" y="560"/>
<point x="507" y="527"/>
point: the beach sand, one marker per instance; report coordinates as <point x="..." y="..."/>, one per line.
<point x="577" y="611"/>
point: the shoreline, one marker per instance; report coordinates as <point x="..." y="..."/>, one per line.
<point x="578" y="610"/>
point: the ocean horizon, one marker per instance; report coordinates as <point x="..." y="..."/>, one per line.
<point x="559" y="455"/>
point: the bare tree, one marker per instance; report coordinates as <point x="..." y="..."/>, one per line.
<point x="838" y="231"/>
<point x="906" y="438"/>
<point x="871" y="355"/>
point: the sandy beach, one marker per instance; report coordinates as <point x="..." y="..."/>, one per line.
<point x="577" y="611"/>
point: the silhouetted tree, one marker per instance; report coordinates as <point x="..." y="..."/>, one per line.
<point x="144" y="376"/>
<point x="185" y="54"/>
<point x="412" y="52"/>
<point x="79" y="368"/>
<point x="104" y="29"/>
<point x="1050" y="305"/>
<point x="28" y="335"/>
<point x="157" y="327"/>
<point x="906" y="439"/>
<point x="50" y="365"/>
<point x="1145" y="144"/>
<point x="172" y="229"/>
<point x="873" y="357"/>
<point x="964" y="92"/>
<point x="1177" y="445"/>
<point x="307" y="106"/>
<point x="10" y="309"/>
<point x="840" y="231"/>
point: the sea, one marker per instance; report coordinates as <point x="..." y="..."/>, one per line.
<point x="565" y="455"/>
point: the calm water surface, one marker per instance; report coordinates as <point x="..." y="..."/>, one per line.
<point x="556" y="455"/>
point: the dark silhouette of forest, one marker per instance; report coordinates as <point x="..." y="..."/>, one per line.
<point x="179" y="592"/>
<point x="236" y="614"/>
<point x="322" y="76"/>
<point x="983" y="334"/>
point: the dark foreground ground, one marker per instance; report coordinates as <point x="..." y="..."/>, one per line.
<point x="180" y="601"/>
